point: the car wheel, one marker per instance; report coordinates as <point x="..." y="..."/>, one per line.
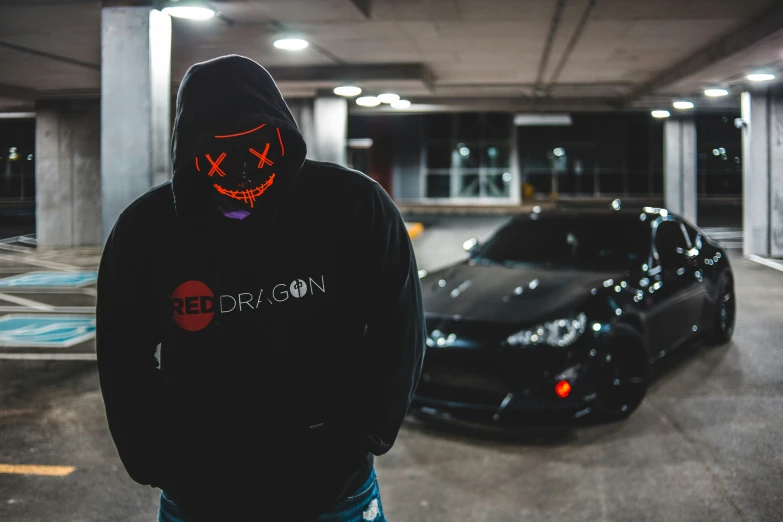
<point x="622" y="380"/>
<point x="725" y="311"/>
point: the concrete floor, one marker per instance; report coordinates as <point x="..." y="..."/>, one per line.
<point x="704" y="446"/>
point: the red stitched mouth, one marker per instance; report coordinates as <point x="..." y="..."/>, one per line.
<point x="247" y="195"/>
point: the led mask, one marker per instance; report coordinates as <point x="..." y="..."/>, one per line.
<point x="242" y="165"/>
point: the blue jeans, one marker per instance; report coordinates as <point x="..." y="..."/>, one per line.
<point x="363" y="505"/>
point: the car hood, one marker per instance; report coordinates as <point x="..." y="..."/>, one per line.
<point x="519" y="295"/>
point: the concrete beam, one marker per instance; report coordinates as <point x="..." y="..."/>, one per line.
<point x="50" y="56"/>
<point x="16" y="93"/>
<point x="721" y="48"/>
<point x="364" y="7"/>
<point x="353" y="72"/>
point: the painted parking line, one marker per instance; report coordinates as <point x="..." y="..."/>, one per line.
<point x="48" y="356"/>
<point x="27" y="303"/>
<point x="43" y="279"/>
<point x="54" y="310"/>
<point x="29" y="260"/>
<point x="47" y="471"/>
<point x="45" y="331"/>
<point x="766" y="262"/>
<point x="414" y="229"/>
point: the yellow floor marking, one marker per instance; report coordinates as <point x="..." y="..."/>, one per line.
<point x="48" y="471"/>
<point x="414" y="229"/>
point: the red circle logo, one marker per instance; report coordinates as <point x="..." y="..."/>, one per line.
<point x="193" y="306"/>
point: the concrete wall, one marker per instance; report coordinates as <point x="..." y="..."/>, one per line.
<point x="68" y="177"/>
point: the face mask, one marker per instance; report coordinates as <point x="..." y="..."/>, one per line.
<point x="241" y="168"/>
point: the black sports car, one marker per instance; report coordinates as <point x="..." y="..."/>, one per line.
<point x="560" y="315"/>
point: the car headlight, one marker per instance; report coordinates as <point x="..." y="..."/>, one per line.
<point x="560" y="332"/>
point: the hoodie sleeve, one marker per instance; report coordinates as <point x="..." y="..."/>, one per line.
<point x="394" y="343"/>
<point x="127" y="337"/>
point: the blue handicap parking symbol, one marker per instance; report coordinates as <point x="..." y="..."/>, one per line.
<point x="49" y="280"/>
<point x="45" y="331"/>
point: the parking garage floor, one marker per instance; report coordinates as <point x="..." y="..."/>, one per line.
<point x="704" y="446"/>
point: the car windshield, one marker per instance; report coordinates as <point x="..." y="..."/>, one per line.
<point x="583" y="242"/>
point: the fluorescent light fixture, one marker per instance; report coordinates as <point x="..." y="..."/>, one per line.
<point x="368" y="101"/>
<point x="682" y="105"/>
<point x="190" y="12"/>
<point x="359" y="143"/>
<point x="714" y="92"/>
<point x="660" y="114"/>
<point x="16" y="115"/>
<point x="542" y="120"/>
<point x="760" y="77"/>
<point x="400" y="104"/>
<point x="347" y="90"/>
<point x="291" y="44"/>
<point x="388" y="97"/>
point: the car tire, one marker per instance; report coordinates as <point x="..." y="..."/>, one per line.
<point x="725" y="313"/>
<point x="623" y="377"/>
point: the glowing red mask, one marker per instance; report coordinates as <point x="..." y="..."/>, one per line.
<point x="244" y="169"/>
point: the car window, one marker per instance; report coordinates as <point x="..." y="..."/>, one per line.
<point x="570" y="241"/>
<point x="670" y="242"/>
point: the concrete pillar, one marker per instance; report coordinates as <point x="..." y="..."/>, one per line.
<point x="135" y="105"/>
<point x="67" y="171"/>
<point x="516" y="179"/>
<point x="762" y="172"/>
<point x="679" y="167"/>
<point x="302" y="110"/>
<point x="329" y="132"/>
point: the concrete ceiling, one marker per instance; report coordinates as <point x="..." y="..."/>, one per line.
<point x="514" y="54"/>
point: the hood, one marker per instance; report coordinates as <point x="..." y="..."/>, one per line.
<point x="235" y="145"/>
<point x="515" y="295"/>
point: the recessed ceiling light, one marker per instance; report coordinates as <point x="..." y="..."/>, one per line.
<point x="291" y="44"/>
<point x="190" y="12"/>
<point x="760" y="77"/>
<point x="368" y="101"/>
<point x="682" y="105"/>
<point x="347" y="90"/>
<point x="660" y="114"/>
<point x="400" y="104"/>
<point x="388" y="97"/>
<point x="715" y="92"/>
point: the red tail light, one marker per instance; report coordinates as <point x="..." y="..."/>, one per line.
<point x="562" y="389"/>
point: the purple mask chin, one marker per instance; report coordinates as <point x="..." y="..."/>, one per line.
<point x="235" y="214"/>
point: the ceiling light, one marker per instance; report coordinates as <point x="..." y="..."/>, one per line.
<point x="660" y="114"/>
<point x="400" y="104"/>
<point x="682" y="105"/>
<point x="715" y="92"/>
<point x="760" y="77"/>
<point x="190" y="12"/>
<point x="388" y="97"/>
<point x="291" y="44"/>
<point x="347" y="90"/>
<point x="368" y="101"/>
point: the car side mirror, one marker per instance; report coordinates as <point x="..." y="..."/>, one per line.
<point x="471" y="246"/>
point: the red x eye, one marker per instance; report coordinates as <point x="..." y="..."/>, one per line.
<point x="263" y="160"/>
<point x="216" y="165"/>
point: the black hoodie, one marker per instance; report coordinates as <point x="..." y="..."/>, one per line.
<point x="291" y="341"/>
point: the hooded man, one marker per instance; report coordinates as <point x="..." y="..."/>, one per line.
<point x="284" y="296"/>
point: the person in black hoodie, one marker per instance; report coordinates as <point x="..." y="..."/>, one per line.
<point x="284" y="296"/>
